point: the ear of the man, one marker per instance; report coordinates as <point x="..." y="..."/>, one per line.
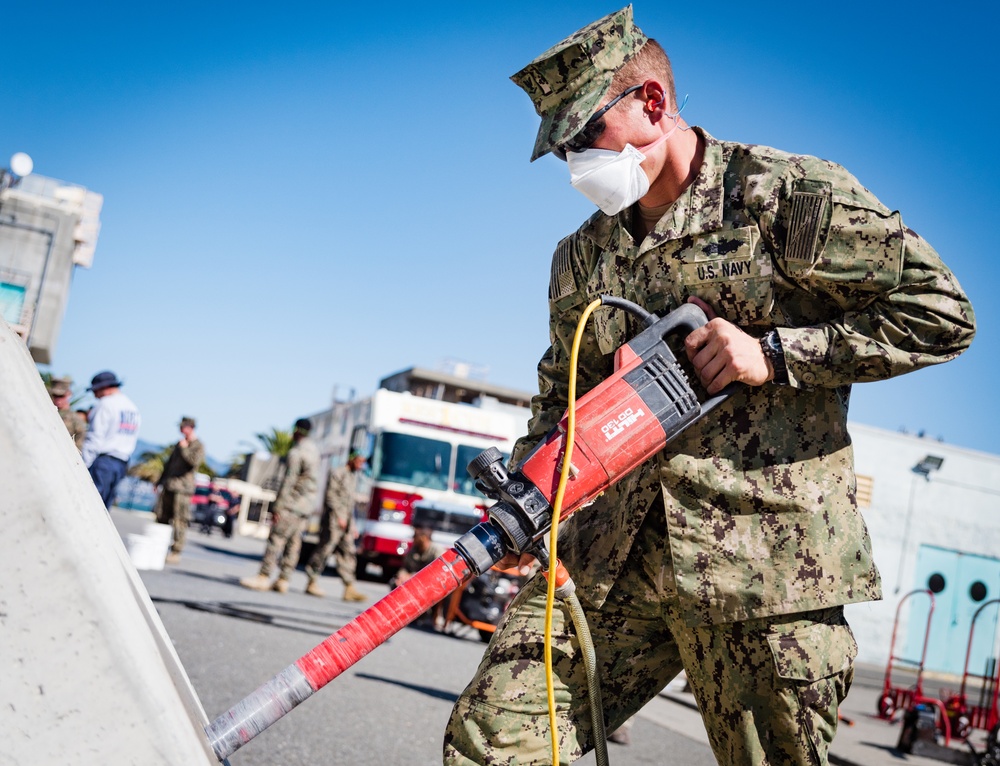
<point x="654" y="99"/>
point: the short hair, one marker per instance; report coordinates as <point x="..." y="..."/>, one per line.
<point x="650" y="61"/>
<point x="303" y="425"/>
<point x="423" y="530"/>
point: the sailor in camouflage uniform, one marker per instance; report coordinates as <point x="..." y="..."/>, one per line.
<point x="61" y="389"/>
<point x="731" y="554"/>
<point x="177" y="485"/>
<point x="295" y="501"/>
<point x="337" y="530"/>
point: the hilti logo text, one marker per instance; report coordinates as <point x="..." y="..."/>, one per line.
<point x="619" y="424"/>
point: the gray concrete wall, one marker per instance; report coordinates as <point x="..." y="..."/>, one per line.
<point x="37" y="244"/>
<point x="87" y="672"/>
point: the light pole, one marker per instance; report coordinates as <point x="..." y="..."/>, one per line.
<point x="925" y="467"/>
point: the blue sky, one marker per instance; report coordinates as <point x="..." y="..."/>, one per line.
<point x="305" y="197"/>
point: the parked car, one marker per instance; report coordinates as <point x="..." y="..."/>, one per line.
<point x="210" y="508"/>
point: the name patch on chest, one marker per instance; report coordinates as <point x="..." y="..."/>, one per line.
<point x="709" y="271"/>
<point x="731" y="272"/>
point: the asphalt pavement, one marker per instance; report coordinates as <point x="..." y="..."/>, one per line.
<point x="392" y="706"/>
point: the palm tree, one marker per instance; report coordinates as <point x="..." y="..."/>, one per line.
<point x="237" y="463"/>
<point x="150" y="465"/>
<point x="277" y="442"/>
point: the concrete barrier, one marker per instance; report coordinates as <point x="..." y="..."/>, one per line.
<point x="87" y="672"/>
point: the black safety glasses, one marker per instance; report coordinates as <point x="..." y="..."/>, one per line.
<point x="592" y="130"/>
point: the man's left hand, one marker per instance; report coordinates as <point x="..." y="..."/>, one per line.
<point x="722" y="353"/>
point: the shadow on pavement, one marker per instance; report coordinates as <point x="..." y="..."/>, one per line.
<point x="256" y="556"/>
<point x="429" y="691"/>
<point x="289" y="620"/>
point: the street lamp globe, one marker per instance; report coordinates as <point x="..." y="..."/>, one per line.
<point x="21" y="164"/>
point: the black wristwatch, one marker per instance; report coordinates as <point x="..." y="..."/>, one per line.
<point x="770" y="344"/>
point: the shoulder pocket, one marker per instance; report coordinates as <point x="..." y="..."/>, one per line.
<point x="863" y="251"/>
<point x="847" y="242"/>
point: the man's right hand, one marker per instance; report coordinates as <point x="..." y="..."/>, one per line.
<point x="522" y="563"/>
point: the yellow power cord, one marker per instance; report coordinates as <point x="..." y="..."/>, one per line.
<point x="554" y="531"/>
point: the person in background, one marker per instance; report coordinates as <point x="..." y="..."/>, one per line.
<point x="111" y="434"/>
<point x="177" y="484"/>
<point x="423" y="550"/>
<point x="61" y="390"/>
<point x="296" y="499"/>
<point x="337" y="530"/>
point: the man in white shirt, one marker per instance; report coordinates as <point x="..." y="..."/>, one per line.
<point x="111" y="436"/>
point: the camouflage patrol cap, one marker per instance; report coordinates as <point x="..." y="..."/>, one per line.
<point x="60" y="386"/>
<point x="568" y="82"/>
<point x="185" y="422"/>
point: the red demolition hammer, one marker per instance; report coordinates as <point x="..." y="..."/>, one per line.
<point x="620" y="424"/>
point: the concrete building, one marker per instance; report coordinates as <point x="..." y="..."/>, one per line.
<point x="47" y="228"/>
<point x="451" y="387"/>
<point x="932" y="511"/>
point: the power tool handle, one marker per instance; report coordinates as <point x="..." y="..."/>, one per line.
<point x="687" y="318"/>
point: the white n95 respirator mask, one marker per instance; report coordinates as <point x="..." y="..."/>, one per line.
<point x="612" y="180"/>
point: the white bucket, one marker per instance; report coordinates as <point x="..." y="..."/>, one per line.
<point x="159" y="532"/>
<point x="147" y="552"/>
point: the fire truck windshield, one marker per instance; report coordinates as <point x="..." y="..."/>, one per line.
<point x="412" y="460"/>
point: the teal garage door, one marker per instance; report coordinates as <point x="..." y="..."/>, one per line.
<point x="961" y="583"/>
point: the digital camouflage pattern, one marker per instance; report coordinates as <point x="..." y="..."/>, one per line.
<point x="284" y="542"/>
<point x="568" y="82"/>
<point x="414" y="560"/>
<point x="340" y="496"/>
<point x="296" y="499"/>
<point x="338" y="508"/>
<point x="174" y="508"/>
<point x="732" y="552"/>
<point x="768" y="689"/>
<point x="75" y="425"/>
<point x="299" y="488"/>
<point x="181" y="466"/>
<point x="760" y="497"/>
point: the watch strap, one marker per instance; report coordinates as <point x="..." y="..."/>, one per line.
<point x="770" y="344"/>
